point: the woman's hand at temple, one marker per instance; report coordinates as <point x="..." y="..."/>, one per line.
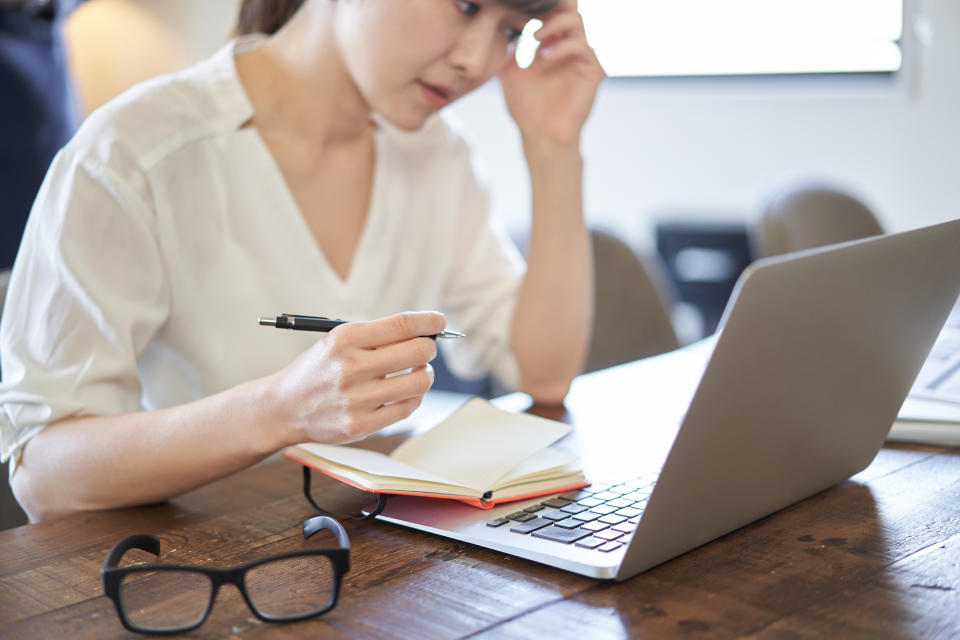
<point x="551" y="99"/>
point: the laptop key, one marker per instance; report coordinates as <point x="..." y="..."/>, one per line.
<point x="594" y="526"/>
<point x="629" y="512"/>
<point x="608" y="534"/>
<point x="620" y="503"/>
<point x="555" y="515"/>
<point x="592" y="502"/>
<point x="520" y="516"/>
<point x="586" y="516"/>
<point x="591" y="543"/>
<point x="535" y="508"/>
<point x="557" y="502"/>
<point x="606" y="495"/>
<point x="569" y="523"/>
<point x="558" y="534"/>
<point x="531" y="525"/>
<point x="625" y="527"/>
<point x="610" y="546"/>
<point x="498" y="522"/>
<point x="603" y="509"/>
<point x="578" y="495"/>
<point x="613" y="519"/>
<point x="573" y="508"/>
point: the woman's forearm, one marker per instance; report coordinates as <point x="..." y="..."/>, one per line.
<point x="102" y="462"/>
<point x="554" y="313"/>
<point x="340" y="390"/>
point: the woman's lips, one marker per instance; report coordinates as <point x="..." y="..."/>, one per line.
<point x="436" y="95"/>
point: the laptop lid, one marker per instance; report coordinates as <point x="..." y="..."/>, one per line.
<point x="817" y="353"/>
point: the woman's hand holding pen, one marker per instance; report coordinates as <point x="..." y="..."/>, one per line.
<point x="551" y="99"/>
<point x="341" y="389"/>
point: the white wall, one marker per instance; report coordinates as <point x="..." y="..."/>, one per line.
<point x="715" y="148"/>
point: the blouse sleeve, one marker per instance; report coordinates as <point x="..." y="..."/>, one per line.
<point x="482" y="284"/>
<point x="86" y="295"/>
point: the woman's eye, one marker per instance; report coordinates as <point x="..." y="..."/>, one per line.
<point x="468" y="8"/>
<point x="512" y="34"/>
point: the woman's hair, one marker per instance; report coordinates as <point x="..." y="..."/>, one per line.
<point x="267" y="16"/>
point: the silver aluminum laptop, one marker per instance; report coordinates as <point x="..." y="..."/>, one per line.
<point x="818" y="351"/>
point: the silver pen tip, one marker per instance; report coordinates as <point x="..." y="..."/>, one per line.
<point x="450" y="333"/>
<point x="268" y="322"/>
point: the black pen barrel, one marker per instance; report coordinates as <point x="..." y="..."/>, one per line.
<point x="306" y="323"/>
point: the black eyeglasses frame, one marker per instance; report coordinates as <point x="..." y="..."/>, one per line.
<point x="112" y="575"/>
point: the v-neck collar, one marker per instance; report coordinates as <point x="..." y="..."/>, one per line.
<point x="290" y="215"/>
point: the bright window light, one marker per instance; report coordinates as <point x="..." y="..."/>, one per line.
<point x="744" y="37"/>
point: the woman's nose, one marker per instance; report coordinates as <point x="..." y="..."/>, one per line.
<point x="477" y="53"/>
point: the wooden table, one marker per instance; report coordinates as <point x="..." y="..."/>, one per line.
<point x="874" y="557"/>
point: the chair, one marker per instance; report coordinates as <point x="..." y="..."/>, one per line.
<point x="11" y="515"/>
<point x="704" y="260"/>
<point x="632" y="308"/>
<point x="811" y="215"/>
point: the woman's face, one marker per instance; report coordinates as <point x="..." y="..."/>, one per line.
<point x="410" y="58"/>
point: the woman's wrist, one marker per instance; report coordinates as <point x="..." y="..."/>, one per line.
<point x="553" y="166"/>
<point x="542" y="150"/>
<point x="271" y="422"/>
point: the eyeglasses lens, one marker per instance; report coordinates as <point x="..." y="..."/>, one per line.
<point x="291" y="587"/>
<point x="163" y="600"/>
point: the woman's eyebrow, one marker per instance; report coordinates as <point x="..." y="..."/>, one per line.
<point x="531" y="9"/>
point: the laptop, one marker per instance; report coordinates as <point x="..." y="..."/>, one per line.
<point x="796" y="393"/>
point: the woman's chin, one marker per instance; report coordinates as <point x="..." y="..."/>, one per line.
<point x="412" y="120"/>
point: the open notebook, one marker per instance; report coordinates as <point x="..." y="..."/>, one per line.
<point x="480" y="455"/>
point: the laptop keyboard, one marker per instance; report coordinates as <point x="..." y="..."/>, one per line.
<point x="601" y="517"/>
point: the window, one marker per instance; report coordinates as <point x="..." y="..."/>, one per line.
<point x="744" y="37"/>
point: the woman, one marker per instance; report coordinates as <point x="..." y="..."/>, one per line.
<point x="304" y="172"/>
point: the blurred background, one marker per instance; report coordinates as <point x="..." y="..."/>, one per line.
<point x="711" y="107"/>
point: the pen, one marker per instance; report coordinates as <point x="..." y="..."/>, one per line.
<point x="314" y="323"/>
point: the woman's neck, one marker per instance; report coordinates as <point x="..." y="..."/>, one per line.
<point x="299" y="85"/>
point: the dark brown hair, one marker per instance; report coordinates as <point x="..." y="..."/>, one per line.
<point x="267" y="16"/>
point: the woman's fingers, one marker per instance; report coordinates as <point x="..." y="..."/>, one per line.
<point x="565" y="25"/>
<point x="564" y="52"/>
<point x="388" y="414"/>
<point x="396" y="328"/>
<point x="413" y="384"/>
<point x="368" y="400"/>
<point x="399" y="356"/>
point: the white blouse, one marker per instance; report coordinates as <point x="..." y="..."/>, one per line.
<point x="164" y="229"/>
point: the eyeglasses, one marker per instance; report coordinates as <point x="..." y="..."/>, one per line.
<point x="166" y="599"/>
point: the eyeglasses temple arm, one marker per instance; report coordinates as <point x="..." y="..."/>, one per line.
<point x="317" y="523"/>
<point x="144" y="542"/>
